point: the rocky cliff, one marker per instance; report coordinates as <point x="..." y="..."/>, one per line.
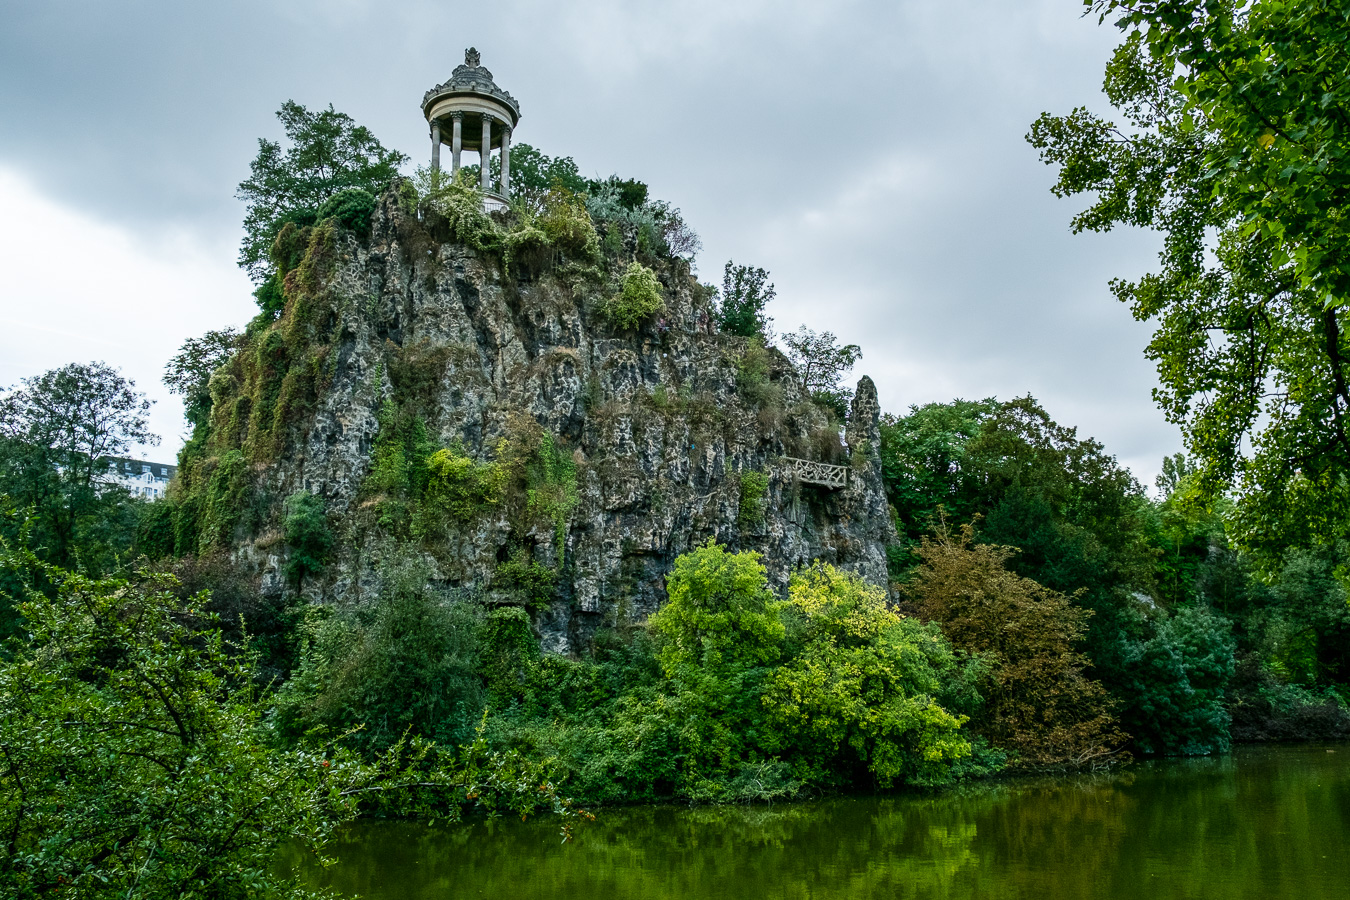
<point x="454" y="382"/>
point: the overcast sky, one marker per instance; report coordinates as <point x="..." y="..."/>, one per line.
<point x="870" y="155"/>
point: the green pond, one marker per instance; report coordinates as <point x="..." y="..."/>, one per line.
<point x="1263" y="823"/>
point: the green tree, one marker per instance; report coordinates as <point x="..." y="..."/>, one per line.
<point x="131" y="760"/>
<point x="328" y="153"/>
<point x="1077" y="515"/>
<point x="860" y="700"/>
<point x="923" y="464"/>
<point x="746" y="291"/>
<point x="1234" y="148"/>
<point x="189" y="373"/>
<point x="639" y="298"/>
<point x="534" y="174"/>
<point x="821" y="363"/>
<point x="1178" y="678"/>
<point x="720" y="616"/>
<point x="57" y="433"/>
<point x="719" y="635"/>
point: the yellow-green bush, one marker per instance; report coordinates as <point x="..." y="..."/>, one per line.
<point x="638" y="299"/>
<point x="458" y="488"/>
<point x="568" y="226"/>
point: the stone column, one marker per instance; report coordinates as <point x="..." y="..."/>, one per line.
<point x="435" y="146"/>
<point x="506" y="160"/>
<point x="485" y="156"/>
<point x="456" y="140"/>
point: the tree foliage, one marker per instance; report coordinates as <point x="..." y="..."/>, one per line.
<point x="57" y="433"/>
<point x="534" y="174"/>
<point x="862" y="693"/>
<point x="1084" y="528"/>
<point x="639" y="298"/>
<point x="1235" y="149"/>
<point x="134" y="760"/>
<point x="407" y="663"/>
<point x="829" y="686"/>
<point x="746" y="291"/>
<point x="307" y="535"/>
<point x="821" y="363"/>
<point x="327" y="154"/>
<point x="189" y="373"/>
<point x="1040" y="705"/>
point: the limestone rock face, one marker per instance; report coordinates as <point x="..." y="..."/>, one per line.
<point x="663" y="425"/>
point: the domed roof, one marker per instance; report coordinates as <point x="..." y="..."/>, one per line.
<point x="470" y="78"/>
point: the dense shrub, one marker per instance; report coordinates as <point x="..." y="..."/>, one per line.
<point x="459" y="203"/>
<point x="528" y="581"/>
<point x="752" y="376"/>
<point x="408" y="663"/>
<point x="1265" y="708"/>
<point x="860" y="695"/>
<point x="1177" y="683"/>
<point x="458" y="487"/>
<point x="352" y="208"/>
<point x="567" y="225"/>
<point x="652" y="229"/>
<point x="133" y="764"/>
<point x="307" y="534"/>
<point x="754" y="491"/>
<point x="639" y="299"/>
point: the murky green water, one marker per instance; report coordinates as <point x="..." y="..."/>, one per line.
<point x="1264" y="823"/>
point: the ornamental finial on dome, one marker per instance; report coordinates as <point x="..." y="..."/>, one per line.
<point x="471" y="57"/>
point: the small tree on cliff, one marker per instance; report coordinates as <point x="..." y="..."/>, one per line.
<point x="189" y="373"/>
<point x="746" y="290"/>
<point x="821" y="363"/>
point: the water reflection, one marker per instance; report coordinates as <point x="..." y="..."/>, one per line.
<point x="1267" y="823"/>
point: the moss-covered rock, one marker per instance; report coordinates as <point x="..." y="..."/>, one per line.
<point x="452" y="380"/>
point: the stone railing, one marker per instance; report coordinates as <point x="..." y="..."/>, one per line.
<point x="811" y="472"/>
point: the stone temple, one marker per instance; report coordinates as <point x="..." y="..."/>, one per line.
<point x="470" y="110"/>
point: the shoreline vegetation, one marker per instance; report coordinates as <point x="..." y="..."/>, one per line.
<point x="166" y="724"/>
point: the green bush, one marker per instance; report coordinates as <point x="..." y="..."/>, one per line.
<point x="752" y="376"/>
<point x="407" y="663"/>
<point x="307" y="534"/>
<point x="133" y="764"/>
<point x="510" y="651"/>
<point x="551" y="492"/>
<point x="1177" y="682"/>
<point x="458" y="487"/>
<point x="861" y="695"/>
<point x="532" y="582"/>
<point x="155" y="528"/>
<point x="754" y="490"/>
<point x="352" y="208"/>
<point x="460" y="203"/>
<point x="223" y="498"/>
<point x="652" y="229"/>
<point x="567" y="225"/>
<point x="637" y="301"/>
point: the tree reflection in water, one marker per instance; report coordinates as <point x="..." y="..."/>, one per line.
<point x="1267" y="823"/>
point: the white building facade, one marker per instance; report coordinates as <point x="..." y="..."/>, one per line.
<point x="146" y="480"/>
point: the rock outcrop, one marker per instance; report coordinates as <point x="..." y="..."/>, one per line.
<point x="666" y="436"/>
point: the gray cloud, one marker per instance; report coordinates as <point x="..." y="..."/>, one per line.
<point x="870" y="154"/>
